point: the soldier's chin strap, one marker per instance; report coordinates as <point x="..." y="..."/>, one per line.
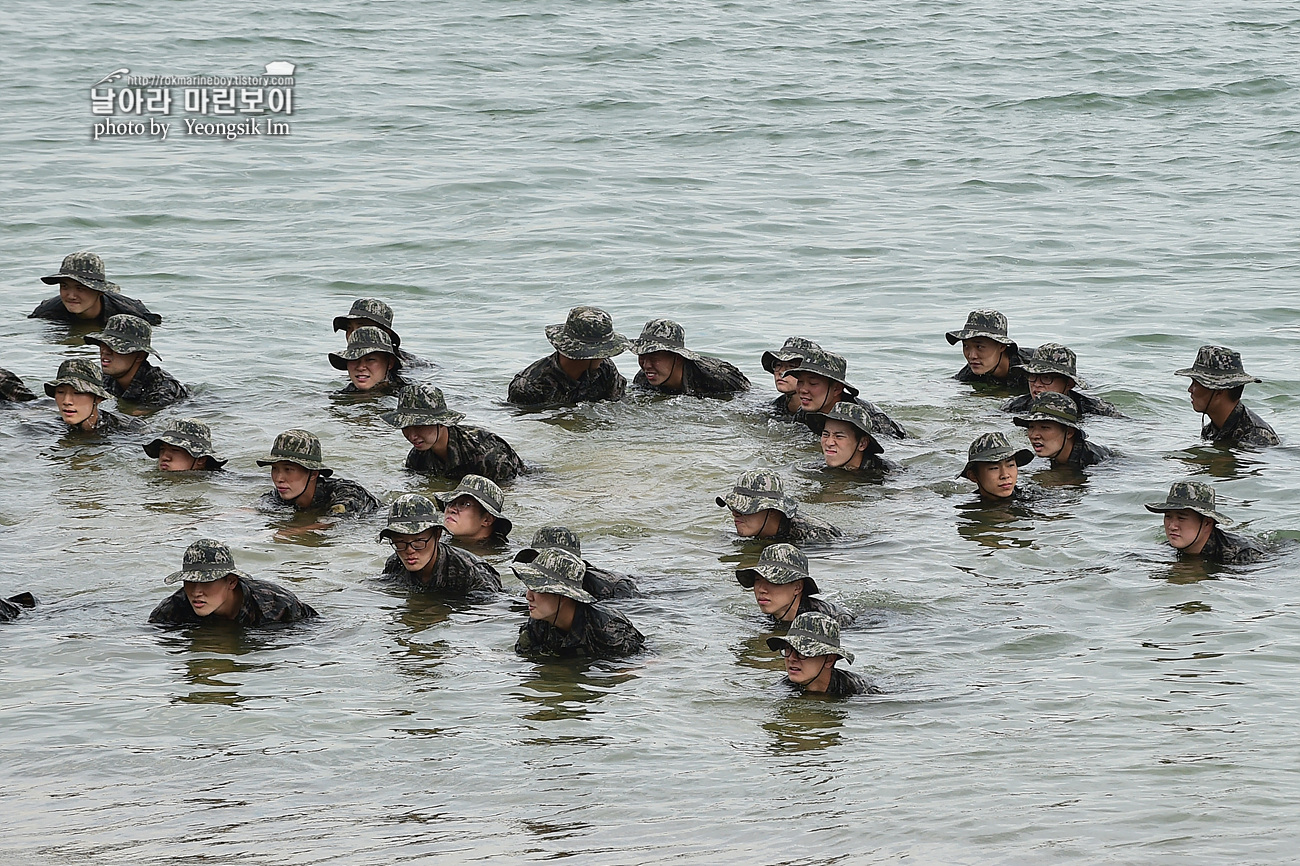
<point x="1205" y="522"/>
<point x="794" y="601"/>
<point x="1065" y="440"/>
<point x="311" y="476"/>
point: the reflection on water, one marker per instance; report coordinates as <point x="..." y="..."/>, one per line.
<point x="1188" y="569"/>
<point x="987" y="523"/>
<point x="806" y="723"/>
<point x="208" y="651"/>
<point x="753" y="652"/>
<point x="566" y="689"/>
<point x="1217" y="462"/>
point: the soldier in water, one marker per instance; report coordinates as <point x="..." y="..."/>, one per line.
<point x="1192" y="526"/>
<point x="1218" y="380"/>
<point x="811" y="647"/>
<point x="820" y="384"/>
<point x="371" y="362"/>
<point x="1052" y="368"/>
<point x="761" y="509"/>
<point x="441" y="446"/>
<point x="12" y="388"/>
<point x="303" y="481"/>
<point x="184" y="445"/>
<point x="77" y="391"/>
<point x="782" y="587"/>
<point x="1052" y="424"/>
<point x="780" y="362"/>
<point x="86" y="295"/>
<point x="992" y="358"/>
<point x="668" y="367"/>
<point x="125" y="344"/>
<point x="215" y="590"/>
<point x="423" y="561"/>
<point x="600" y="583"/>
<point x="581" y="367"/>
<point x="374" y="313"/>
<point x="474" y="513"/>
<point x="563" y="618"/>
<point x="994" y="466"/>
<point x="849" y="443"/>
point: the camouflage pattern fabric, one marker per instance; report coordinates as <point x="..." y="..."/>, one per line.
<point x="53" y="310"/>
<point x="845" y="684"/>
<point x="982" y="323"/>
<point x="455" y="572"/>
<point x="1050" y="406"/>
<point x="1055" y="359"/>
<point x="588" y="333"/>
<point x="812" y="634"/>
<point x="598" y="632"/>
<point x="11" y="607"/>
<point x="1086" y="453"/>
<point x="605" y="585"/>
<point x="124" y="335"/>
<point x="1191" y="496"/>
<point x="470" y="451"/>
<point x="1016" y="380"/>
<point x="390" y="385"/>
<point x="543" y="383"/>
<point x="365" y="340"/>
<point x="371" y="310"/>
<point x="264" y="603"/>
<point x="83" y="374"/>
<point x="12" y="388"/>
<point x="86" y="268"/>
<point x="1228" y="548"/>
<point x="780" y="409"/>
<point x="1086" y="404"/>
<point x="192" y="436"/>
<point x="993" y="448"/>
<point x="151" y="386"/>
<point x="206" y="560"/>
<point x="809" y="604"/>
<point x="792" y="352"/>
<point x="337" y="497"/>
<point x="703" y="377"/>
<point x="872" y="466"/>
<point x="298" y="446"/>
<point x="882" y="422"/>
<point x="1243" y="427"/>
<point x="1218" y="368"/>
<point x="803" y="530"/>
<point x="662" y="335"/>
<point x="111" y="422"/>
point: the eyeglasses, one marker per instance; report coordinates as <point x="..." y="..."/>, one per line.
<point x="416" y="544"/>
<point x="792" y="653"/>
<point x="1043" y="378"/>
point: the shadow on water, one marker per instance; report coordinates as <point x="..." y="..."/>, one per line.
<point x="212" y="652"/>
<point x="807" y="723"/>
<point x="566" y="689"/>
<point x="988" y="524"/>
<point x="1219" y="463"/>
<point x="754" y="652"/>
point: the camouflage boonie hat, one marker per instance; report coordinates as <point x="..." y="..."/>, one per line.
<point x="1218" y="368"/>
<point x="125" y="335"/>
<point x="83" y="374"/>
<point x="362" y="342"/>
<point x="372" y="310"/>
<point x="1052" y="358"/>
<point x="857" y="415"/>
<point x="812" y="634"/>
<point x="411" y="514"/>
<point x="827" y="364"/>
<point x="298" y="446"/>
<point x="779" y="564"/>
<point x="555" y="571"/>
<point x="662" y="335"/>
<point x="791" y="353"/>
<point x="758" y="490"/>
<point x="188" y="434"/>
<point x="587" y="334"/>
<point x="418" y="406"/>
<point x="983" y="323"/>
<point x="205" y="561"/>
<point x="551" y="536"/>
<point x="87" y="269"/>
<point x="993" y="448"/>
<point x="485" y="492"/>
<point x="1051" y="406"/>
<point x="1194" y="496"/>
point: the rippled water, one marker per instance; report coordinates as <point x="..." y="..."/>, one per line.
<point x="1056" y="687"/>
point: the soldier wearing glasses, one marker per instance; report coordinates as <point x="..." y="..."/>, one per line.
<point x="422" y="561"/>
<point x="1053" y="368"/>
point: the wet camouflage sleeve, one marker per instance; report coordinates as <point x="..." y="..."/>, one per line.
<point x="806" y="530"/>
<point x="712" y="377"/>
<point x="830" y="608"/>
<point x="120" y="304"/>
<point x="111" y="422"/>
<point x="12" y="388"/>
<point x="598" y="632"/>
<point x="605" y="585"/>
<point x="456" y="571"/>
<point x="845" y="683"/>
<point x="1229" y="548"/>
<point x="1090" y="405"/>
<point x="1243" y="427"/>
<point x="474" y="451"/>
<point x="781" y="409"/>
<point x="543" y="383"/>
<point x="175" y="609"/>
<point x="266" y="602"/>
<point x="344" y="498"/>
<point x="151" y="386"/>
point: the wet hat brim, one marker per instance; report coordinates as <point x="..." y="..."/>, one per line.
<point x="1022" y="456"/>
<point x="312" y="465"/>
<point x="808" y="647"/>
<point x="873" y="448"/>
<point x="339" y="360"/>
<point x="1033" y="417"/>
<point x="413" y="527"/>
<point x="81" y="385"/>
<point x="851" y="390"/>
<point x="398" y="418"/>
<point x="771" y="359"/>
<point x="571" y="347"/>
<point x="207" y="575"/>
<point x="1218" y="381"/>
<point x="105" y="286"/>
<point x="955" y="337"/>
<point x="647" y="347"/>
<point x="539" y="581"/>
<point x="503" y="524"/>
<point x="341" y="324"/>
<point x="118" y="345"/>
<point x="753" y="504"/>
<point x="190" y="446"/>
<point x="1170" y="505"/>
<point x="775" y="573"/>
<point x="1041" y="368"/>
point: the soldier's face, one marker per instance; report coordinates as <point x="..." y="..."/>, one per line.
<point x="290" y="479"/>
<point x="114" y="364"/>
<point x="465" y="518"/>
<point x="1042" y="382"/>
<point x="1046" y="437"/>
<point x="982" y="354"/>
<point x="658" y="366"/>
<point x="750" y="525"/>
<point x="784" y="384"/>
<point x="74" y="406"/>
<point x="213" y="597"/>
<point x="841" y="442"/>
<point x="173" y="459"/>
<point x="817" y="393"/>
<point x="997" y="480"/>
<point x="369" y="370"/>
<point x="424" y="436"/>
<point x="542" y="605"/>
<point x="1183" y="527"/>
<point x="802" y="670"/>
<point x="780" y="600"/>
<point x="1201" y="396"/>
<point x="413" y="559"/>
<point x="82" y="302"/>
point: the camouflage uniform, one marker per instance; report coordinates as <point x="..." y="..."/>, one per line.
<point x="587" y="334"/>
<point x="338" y="496"/>
<point x="193" y="437"/>
<point x="543" y="383"/>
<point x="882" y="422"/>
<point x="1220" y="369"/>
<point x="992" y="325"/>
<point x="791" y="352"/>
<point x="12" y="388"/>
<point x="597" y="631"/>
<point x="489" y="497"/>
<point x="813" y="635"/>
<point x="831" y="366"/>
<point x="1086" y="404"/>
<point x="1085" y="453"/>
<point x="1230" y="548"/>
<point x="760" y="490"/>
<point x="601" y="584"/>
<point x="702" y="376"/>
<point x="150" y="386"/>
<point x="782" y="564"/>
<point x="1222" y="547"/>
<point x="806" y="530"/>
<point x="84" y="375"/>
<point x="111" y="422"/>
<point x="470" y="450"/>
<point x="455" y="571"/>
<point x="88" y="269"/>
<point x="376" y="312"/>
<point x="845" y="684"/>
<point x="1060" y="409"/>
<point x="11" y="607"/>
<point x="1053" y="358"/>
<point x="206" y="561"/>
